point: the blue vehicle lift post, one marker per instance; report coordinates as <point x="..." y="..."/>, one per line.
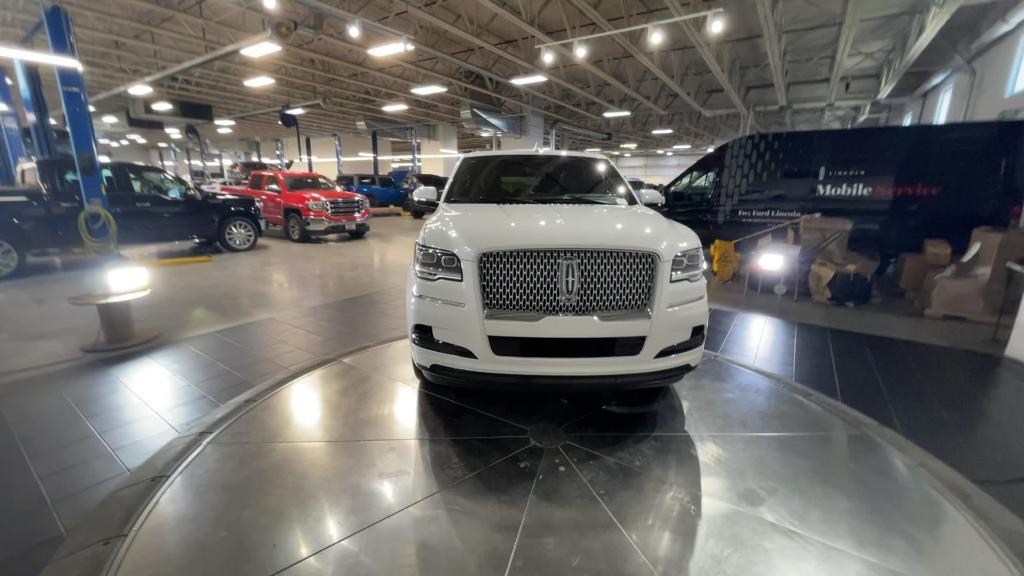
<point x="337" y="152"/>
<point x="12" y="150"/>
<point x="37" y="116"/>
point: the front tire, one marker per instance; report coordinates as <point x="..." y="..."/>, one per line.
<point x="12" y="258"/>
<point x="372" y="200"/>
<point x="295" y="228"/>
<point x="417" y="215"/>
<point x="357" y="234"/>
<point x="238" y="234"/>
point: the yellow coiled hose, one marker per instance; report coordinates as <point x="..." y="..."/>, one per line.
<point x="102" y="219"/>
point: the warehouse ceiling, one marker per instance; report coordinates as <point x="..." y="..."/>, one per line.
<point x="777" y="64"/>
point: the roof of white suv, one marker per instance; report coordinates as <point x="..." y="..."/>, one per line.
<point x="530" y="152"/>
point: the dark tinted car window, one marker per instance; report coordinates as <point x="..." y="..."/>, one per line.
<point x="538" y="179"/>
<point x="365" y="180"/>
<point x="385" y="182"/>
<point x="345" y="180"/>
<point x="308" y="183"/>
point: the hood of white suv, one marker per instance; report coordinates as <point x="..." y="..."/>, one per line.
<point x="472" y="229"/>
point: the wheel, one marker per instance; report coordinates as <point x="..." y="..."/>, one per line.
<point x="295" y="227"/>
<point x="357" y="234"/>
<point x="417" y="215"/>
<point x="237" y="234"/>
<point x="372" y="200"/>
<point x="11" y="258"/>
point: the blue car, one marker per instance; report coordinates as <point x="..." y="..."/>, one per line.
<point x="380" y="190"/>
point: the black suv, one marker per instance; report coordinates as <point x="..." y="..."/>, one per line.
<point x="148" y="205"/>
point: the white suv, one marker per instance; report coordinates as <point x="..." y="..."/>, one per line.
<point x="543" y="269"/>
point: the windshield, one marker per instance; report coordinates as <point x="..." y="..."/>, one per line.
<point x="308" y="183"/>
<point x="541" y="179"/>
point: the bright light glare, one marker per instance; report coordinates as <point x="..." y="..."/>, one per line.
<point x="547" y="57"/>
<point x="260" y="49"/>
<point x="39" y="57"/>
<point x="580" y="51"/>
<point x="172" y="130"/>
<point x="627" y="155"/>
<point x="524" y="80"/>
<point x="354" y="30"/>
<point x="655" y="37"/>
<point x="103" y="158"/>
<point x="92" y="108"/>
<point x="140" y="89"/>
<point x="682" y="146"/>
<point x="601" y="167"/>
<point x="53" y="122"/>
<point x="224" y="122"/>
<point x="710" y="148"/>
<point x="109" y="119"/>
<point x="224" y="130"/>
<point x="630" y="145"/>
<point x="660" y="151"/>
<point x="716" y="25"/>
<point x="390" y="49"/>
<point x="395" y="107"/>
<point x="295" y="111"/>
<point x="592" y="150"/>
<point x="661" y="131"/>
<point x="259" y="81"/>
<point x="616" y="113"/>
<point x="133" y="136"/>
<point x="175" y="136"/>
<point x="127" y="279"/>
<point x="427" y="90"/>
<point x="270" y="4"/>
<point x="124" y="142"/>
<point x="770" y="262"/>
<point x="161" y="106"/>
<point x="162" y="144"/>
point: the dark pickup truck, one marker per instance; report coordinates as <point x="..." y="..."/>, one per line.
<point x="147" y="203"/>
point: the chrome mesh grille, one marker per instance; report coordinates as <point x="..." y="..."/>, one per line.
<point x="344" y="207"/>
<point x="527" y="281"/>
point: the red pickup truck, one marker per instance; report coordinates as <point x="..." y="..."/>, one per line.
<point x="306" y="203"/>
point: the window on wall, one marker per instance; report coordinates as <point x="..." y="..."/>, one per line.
<point x="942" y="106"/>
<point x="1016" y="84"/>
<point x="908" y="118"/>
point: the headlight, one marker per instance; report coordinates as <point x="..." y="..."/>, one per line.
<point x="688" y="265"/>
<point x="433" y="264"/>
<point x="316" y="205"/>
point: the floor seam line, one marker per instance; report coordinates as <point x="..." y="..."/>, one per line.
<point x="250" y="442"/>
<point x="609" y="512"/>
<point x="526" y="510"/>
<point x="96" y="432"/>
<point x="835" y="371"/>
<point x="885" y="393"/>
<point x="35" y="475"/>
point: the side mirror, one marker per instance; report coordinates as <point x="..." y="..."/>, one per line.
<point x="273" y="188"/>
<point x="651" y="197"/>
<point x="426" y="195"/>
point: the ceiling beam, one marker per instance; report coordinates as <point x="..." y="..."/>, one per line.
<point x="846" y="35"/>
<point x="926" y="27"/>
<point x="769" y="12"/>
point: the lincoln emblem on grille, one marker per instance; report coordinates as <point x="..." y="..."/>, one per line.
<point x="568" y="279"/>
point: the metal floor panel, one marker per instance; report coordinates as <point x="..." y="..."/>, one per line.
<point x="358" y="469"/>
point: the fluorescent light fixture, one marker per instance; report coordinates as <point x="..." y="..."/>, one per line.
<point x="172" y="130"/>
<point x="390" y="49"/>
<point x="224" y="130"/>
<point x="716" y="25"/>
<point x="126" y="279"/>
<point x="616" y="113"/>
<point x="655" y="37"/>
<point x="270" y="4"/>
<point x="580" y="51"/>
<point x="682" y="146"/>
<point x="771" y="262"/>
<point x="161" y="106"/>
<point x="531" y="79"/>
<point x="448" y="151"/>
<point x="133" y="136"/>
<point x="140" y="89"/>
<point x="3" y="107"/>
<point x="103" y="158"/>
<point x="661" y="131"/>
<point x="162" y="144"/>
<point x="630" y="145"/>
<point x="295" y="111"/>
<point x="175" y="136"/>
<point x="660" y="151"/>
<point x="141" y="140"/>
<point x="486" y="134"/>
<point x="124" y="141"/>
<point x="224" y="122"/>
<point x="711" y="149"/>
<point x="627" y="155"/>
<point x="428" y="89"/>
<point x="92" y="108"/>
<point x="109" y="119"/>
<point x="53" y="122"/>
<point x="368" y="154"/>
<point x="259" y="81"/>
<point x="260" y="49"/>
<point x="547" y="57"/>
<point x="592" y="150"/>
<point x="38" y="57"/>
<point x="395" y="107"/>
<point x="115" y="145"/>
<point x="103" y="141"/>
<point x="354" y="30"/>
<point x="668" y="153"/>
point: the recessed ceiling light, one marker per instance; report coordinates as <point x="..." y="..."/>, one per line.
<point x="140" y="89"/>
<point x="661" y="131"/>
<point x="224" y="122"/>
<point x="295" y="111"/>
<point x="224" y="130"/>
<point x="259" y="81"/>
<point x="354" y="30"/>
<point x="390" y="49"/>
<point x="616" y="113"/>
<point x="531" y="79"/>
<point x="580" y="51"/>
<point x="270" y="4"/>
<point x="716" y="24"/>
<point x="655" y="37"/>
<point x="161" y="106"/>
<point x="109" y="119"/>
<point x="395" y="107"/>
<point x="260" y="49"/>
<point x="629" y="145"/>
<point x="682" y="146"/>
<point x="428" y="89"/>
<point x="547" y="56"/>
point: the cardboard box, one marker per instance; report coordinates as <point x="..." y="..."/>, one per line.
<point x="816" y="230"/>
<point x="937" y="252"/>
<point x="911" y="269"/>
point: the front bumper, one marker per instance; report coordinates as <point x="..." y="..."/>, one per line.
<point x="454" y="313"/>
<point x="317" y="225"/>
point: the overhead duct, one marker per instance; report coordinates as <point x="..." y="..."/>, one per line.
<point x="396" y="130"/>
<point x="482" y="120"/>
<point x="182" y="111"/>
<point x="578" y="130"/>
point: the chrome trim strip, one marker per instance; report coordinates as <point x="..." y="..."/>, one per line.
<point x="687" y="303"/>
<point x="433" y="300"/>
<point x="615" y="316"/>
